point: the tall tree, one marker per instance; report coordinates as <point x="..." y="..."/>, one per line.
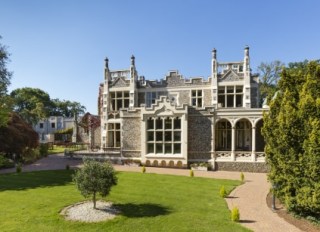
<point x="5" y="77"/>
<point x="291" y="130"/>
<point x="31" y="104"/>
<point x="66" y="108"/>
<point x="269" y="77"/>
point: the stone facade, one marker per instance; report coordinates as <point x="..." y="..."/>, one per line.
<point x="176" y="121"/>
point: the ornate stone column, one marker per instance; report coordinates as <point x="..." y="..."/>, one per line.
<point x="253" y="155"/>
<point x="233" y="143"/>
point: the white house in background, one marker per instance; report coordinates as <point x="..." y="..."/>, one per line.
<point x="46" y="127"/>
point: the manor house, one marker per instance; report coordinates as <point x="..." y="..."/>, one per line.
<point x="176" y="121"/>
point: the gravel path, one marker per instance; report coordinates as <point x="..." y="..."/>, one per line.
<point x="250" y="197"/>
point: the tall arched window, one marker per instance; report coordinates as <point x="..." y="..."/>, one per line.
<point x="243" y="135"/>
<point x="223" y="135"/>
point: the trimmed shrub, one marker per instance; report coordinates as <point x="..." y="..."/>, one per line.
<point x="67" y="167"/>
<point x="191" y="173"/>
<point x="143" y="170"/>
<point x="19" y="168"/>
<point x="223" y="192"/>
<point x="43" y="149"/>
<point x="242" y="177"/>
<point x="235" y="214"/>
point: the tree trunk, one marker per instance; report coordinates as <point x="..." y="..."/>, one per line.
<point x="94" y="200"/>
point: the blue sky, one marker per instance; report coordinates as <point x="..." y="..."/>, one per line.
<point x="60" y="46"/>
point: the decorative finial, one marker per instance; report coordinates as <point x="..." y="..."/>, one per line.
<point x="106" y="62"/>
<point x="214" y="53"/>
<point x="132" y="60"/>
<point x="246" y="50"/>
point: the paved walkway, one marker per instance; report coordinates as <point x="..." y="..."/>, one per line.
<point x="250" y="197"/>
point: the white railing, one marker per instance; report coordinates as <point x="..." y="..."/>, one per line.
<point x="223" y="156"/>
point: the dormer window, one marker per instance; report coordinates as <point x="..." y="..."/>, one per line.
<point x="196" y="98"/>
<point x="119" y="100"/>
<point x="230" y="96"/>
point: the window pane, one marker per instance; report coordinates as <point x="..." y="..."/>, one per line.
<point x="150" y="136"/>
<point x="119" y="94"/>
<point x="194" y="93"/>
<point x="117" y="126"/>
<point x="177" y="136"/>
<point x="230" y="100"/>
<point x="199" y="93"/>
<point x="239" y="100"/>
<point x="159" y="136"/>
<point x="168" y="136"/>
<point x="168" y="148"/>
<point x="110" y="139"/>
<point x="221" y="100"/>
<point x="126" y="103"/>
<point x="199" y="102"/>
<point x="159" y="123"/>
<point x="177" y="123"/>
<point x="177" y="148"/>
<point x="221" y="89"/>
<point x="230" y="89"/>
<point x="119" y="104"/>
<point x="159" y="148"/>
<point x="239" y="89"/>
<point x="168" y="123"/>
<point x="126" y="94"/>
<point x="150" y="148"/>
<point x="118" y="139"/>
<point x="112" y="95"/>
<point x="194" y="102"/>
<point x="113" y="105"/>
<point x="150" y="124"/>
<point x="110" y="126"/>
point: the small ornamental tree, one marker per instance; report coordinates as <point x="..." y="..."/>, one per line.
<point x="95" y="178"/>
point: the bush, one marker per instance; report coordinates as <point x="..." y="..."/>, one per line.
<point x="223" y="192"/>
<point x="235" y="215"/>
<point x="191" y="173"/>
<point x="143" y="169"/>
<point x="6" y="163"/>
<point x="67" y="167"/>
<point x="242" y="177"/>
<point x="43" y="149"/>
<point x="18" y="168"/>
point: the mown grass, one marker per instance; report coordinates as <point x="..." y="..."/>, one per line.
<point x="148" y="202"/>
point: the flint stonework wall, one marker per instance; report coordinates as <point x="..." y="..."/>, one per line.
<point x="184" y="97"/>
<point x="199" y="137"/>
<point x="241" y="167"/>
<point x="131" y="138"/>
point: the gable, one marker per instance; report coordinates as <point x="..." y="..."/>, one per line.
<point x="230" y="76"/>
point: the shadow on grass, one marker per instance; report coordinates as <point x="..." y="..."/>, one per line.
<point x="142" y="210"/>
<point x="29" y="180"/>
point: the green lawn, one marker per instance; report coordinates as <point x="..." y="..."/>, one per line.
<point x="148" y="202"/>
<point x="60" y="149"/>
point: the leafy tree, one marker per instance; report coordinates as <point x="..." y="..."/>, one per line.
<point x="17" y="137"/>
<point x="292" y="133"/>
<point x="66" y="108"/>
<point x="31" y="104"/>
<point x="269" y="77"/>
<point x="5" y="77"/>
<point x="94" y="178"/>
<point x="34" y="104"/>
